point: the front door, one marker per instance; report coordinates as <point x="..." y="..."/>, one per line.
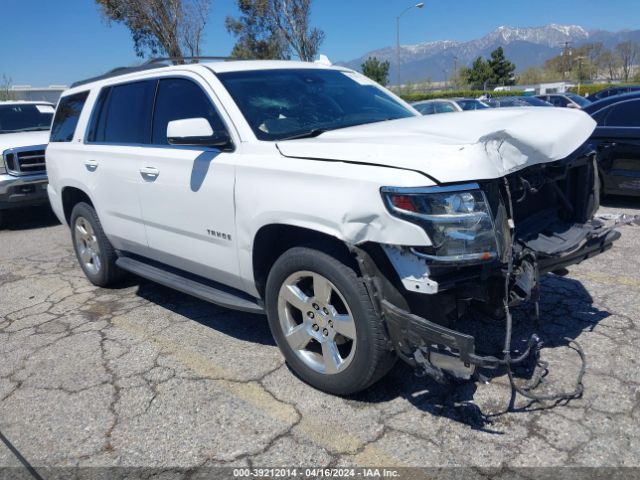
<point x="187" y="192"/>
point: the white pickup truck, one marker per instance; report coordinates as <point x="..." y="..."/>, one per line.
<point x="308" y="192"/>
<point x="24" y="134"/>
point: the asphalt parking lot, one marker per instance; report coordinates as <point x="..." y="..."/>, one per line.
<point x="143" y="376"/>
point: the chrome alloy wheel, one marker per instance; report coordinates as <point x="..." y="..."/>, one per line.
<point x="87" y="246"/>
<point x="317" y="322"/>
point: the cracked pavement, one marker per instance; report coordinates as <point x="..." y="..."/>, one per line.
<point x="142" y="376"/>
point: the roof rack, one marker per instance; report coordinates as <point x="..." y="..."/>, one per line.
<point x="150" y="64"/>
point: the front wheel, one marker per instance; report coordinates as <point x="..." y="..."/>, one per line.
<point x="322" y="318"/>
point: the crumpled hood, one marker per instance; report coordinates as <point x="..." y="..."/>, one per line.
<point x="455" y="147"/>
<point x="23" y="139"/>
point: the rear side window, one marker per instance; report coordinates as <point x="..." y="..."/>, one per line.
<point x="178" y="99"/>
<point x="626" y="114"/>
<point x="123" y="114"/>
<point x="67" y="116"/>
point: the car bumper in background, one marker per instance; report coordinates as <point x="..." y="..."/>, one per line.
<point x="23" y="191"/>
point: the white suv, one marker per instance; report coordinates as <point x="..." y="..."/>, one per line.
<point x="310" y="193"/>
<point x="24" y="133"/>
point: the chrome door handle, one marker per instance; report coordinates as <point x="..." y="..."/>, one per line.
<point x="91" y="165"/>
<point x="149" y="173"/>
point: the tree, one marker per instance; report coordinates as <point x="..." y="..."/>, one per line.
<point x="610" y="63"/>
<point x="376" y="70"/>
<point x="170" y="27"/>
<point x="258" y="38"/>
<point x="628" y="54"/>
<point x="478" y="75"/>
<point x="5" y="88"/>
<point x="275" y="29"/>
<point x="502" y="69"/>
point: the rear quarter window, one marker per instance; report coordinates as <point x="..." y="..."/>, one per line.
<point x="66" y="118"/>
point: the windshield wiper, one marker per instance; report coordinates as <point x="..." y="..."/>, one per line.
<point x="310" y="134"/>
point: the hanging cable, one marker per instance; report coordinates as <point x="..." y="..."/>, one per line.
<point x="541" y="367"/>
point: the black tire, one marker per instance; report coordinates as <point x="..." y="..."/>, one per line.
<point x="372" y="358"/>
<point x="108" y="273"/>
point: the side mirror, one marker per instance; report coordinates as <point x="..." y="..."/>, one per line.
<point x="195" y="132"/>
<point x="572" y="105"/>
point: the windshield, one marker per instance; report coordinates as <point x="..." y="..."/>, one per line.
<point x="284" y="103"/>
<point x="583" y="102"/>
<point x="25" y="118"/>
<point x="472" y="104"/>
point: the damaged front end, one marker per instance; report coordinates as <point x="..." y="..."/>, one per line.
<point x="506" y="233"/>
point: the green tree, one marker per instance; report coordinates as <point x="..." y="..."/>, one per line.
<point x="171" y="27"/>
<point x="502" y="69"/>
<point x="275" y="29"/>
<point x="376" y="70"/>
<point x="478" y="75"/>
<point x="256" y="33"/>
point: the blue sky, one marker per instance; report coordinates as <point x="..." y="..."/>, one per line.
<point x="45" y="42"/>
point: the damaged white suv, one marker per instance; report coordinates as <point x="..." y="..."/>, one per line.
<point x="361" y="228"/>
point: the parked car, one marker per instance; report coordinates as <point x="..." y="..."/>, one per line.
<point x="501" y="102"/>
<point x="24" y="133"/>
<point x="448" y="105"/>
<point x="617" y="138"/>
<point x="310" y="193"/>
<point x="613" y="91"/>
<point x="569" y="100"/>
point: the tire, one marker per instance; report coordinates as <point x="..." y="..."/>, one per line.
<point x="94" y="252"/>
<point x="323" y="321"/>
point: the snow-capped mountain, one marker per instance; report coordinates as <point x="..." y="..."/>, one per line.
<point x="526" y="47"/>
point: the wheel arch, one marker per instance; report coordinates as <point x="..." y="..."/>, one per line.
<point x="71" y="196"/>
<point x="272" y="240"/>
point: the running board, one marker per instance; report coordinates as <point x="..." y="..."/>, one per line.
<point x="220" y="296"/>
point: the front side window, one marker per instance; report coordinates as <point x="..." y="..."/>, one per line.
<point x="284" y="103"/>
<point x="425" y="108"/>
<point x="123" y="114"/>
<point x="25" y="118"/>
<point x="178" y="99"/>
<point x="625" y="114"/>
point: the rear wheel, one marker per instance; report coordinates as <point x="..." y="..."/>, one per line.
<point x="95" y="253"/>
<point x="323" y="320"/>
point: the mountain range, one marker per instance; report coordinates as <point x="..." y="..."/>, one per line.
<point x="526" y="47"/>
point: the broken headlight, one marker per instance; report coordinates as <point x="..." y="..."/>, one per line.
<point x="456" y="218"/>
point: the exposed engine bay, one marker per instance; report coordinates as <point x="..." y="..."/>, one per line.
<point x="544" y="221"/>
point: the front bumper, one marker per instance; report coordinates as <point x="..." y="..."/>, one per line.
<point x="23" y="191"/>
<point x="436" y="349"/>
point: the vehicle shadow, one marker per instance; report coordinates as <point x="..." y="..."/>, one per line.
<point x="566" y="311"/>
<point x="243" y="326"/>
<point x="28" y="218"/>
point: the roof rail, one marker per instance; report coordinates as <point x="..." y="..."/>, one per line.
<point x="148" y="65"/>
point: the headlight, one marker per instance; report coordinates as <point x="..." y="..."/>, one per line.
<point x="456" y="218"/>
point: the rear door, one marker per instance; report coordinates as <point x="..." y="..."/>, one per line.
<point x="618" y="138"/>
<point x="116" y="145"/>
<point x="187" y="192"/>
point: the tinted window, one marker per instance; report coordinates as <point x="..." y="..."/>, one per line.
<point x="425" y="108"/>
<point x="25" y="118"/>
<point x="178" y="99"/>
<point x="626" y="114"/>
<point x="286" y="102"/>
<point x="123" y="114"/>
<point x="66" y="118"/>
<point x="444" y="107"/>
<point x="471" y="105"/>
<point x="559" y="101"/>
